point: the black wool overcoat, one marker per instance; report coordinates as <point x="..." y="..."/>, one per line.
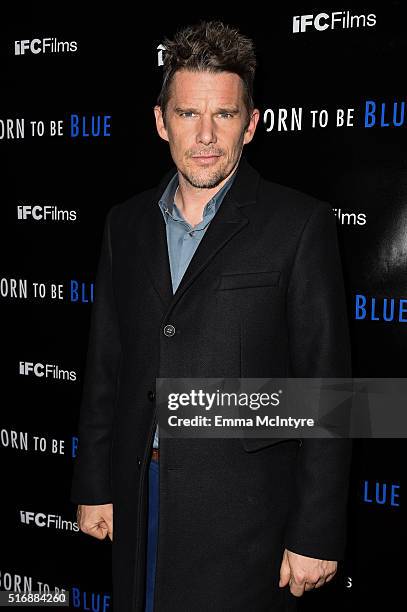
<point x="263" y="296"/>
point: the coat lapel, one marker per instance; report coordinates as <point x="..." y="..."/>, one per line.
<point x="228" y="221"/>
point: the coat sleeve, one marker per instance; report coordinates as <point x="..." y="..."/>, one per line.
<point x="319" y="345"/>
<point x="91" y="473"/>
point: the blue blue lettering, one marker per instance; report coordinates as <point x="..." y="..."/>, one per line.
<point x="382" y="496"/>
<point x="74" y="446"/>
<point x="93" y="126"/>
<point x="373" y="310"/>
<point x="399" y="122"/>
<point x="402" y="310"/>
<point x="365" y="493"/>
<point x="396" y="120"/>
<point x="394" y="495"/>
<point x="360" y="306"/>
<point x="81" y="295"/>
<point x="385" y="316"/>
<point x="370" y="108"/>
<point x="74" y="126"/>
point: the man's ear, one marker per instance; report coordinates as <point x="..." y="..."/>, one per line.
<point x="251" y="128"/>
<point x="159" y="122"/>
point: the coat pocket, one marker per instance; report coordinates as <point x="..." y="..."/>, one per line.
<point x="240" y="280"/>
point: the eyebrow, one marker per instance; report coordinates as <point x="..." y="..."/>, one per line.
<point x="187" y="109"/>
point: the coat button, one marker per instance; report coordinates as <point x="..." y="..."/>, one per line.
<point x="138" y="461"/>
<point x="169" y="330"/>
<point x="151" y="395"/>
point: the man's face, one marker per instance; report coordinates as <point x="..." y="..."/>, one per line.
<point x="206" y="125"/>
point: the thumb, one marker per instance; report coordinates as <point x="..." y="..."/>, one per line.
<point x="285" y="571"/>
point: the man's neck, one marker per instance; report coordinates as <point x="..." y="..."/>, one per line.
<point x="191" y="200"/>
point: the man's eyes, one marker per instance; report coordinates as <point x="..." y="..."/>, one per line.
<point x="225" y="115"/>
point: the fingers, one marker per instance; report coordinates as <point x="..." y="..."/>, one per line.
<point x="320" y="582"/>
<point x="310" y="586"/>
<point x="96" y="521"/>
<point x="305" y="573"/>
<point x="299" y="585"/>
<point x="99" y="530"/>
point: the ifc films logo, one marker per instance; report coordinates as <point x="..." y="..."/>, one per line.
<point x="338" y="20"/>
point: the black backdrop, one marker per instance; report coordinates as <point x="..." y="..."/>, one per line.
<point x="115" y="73"/>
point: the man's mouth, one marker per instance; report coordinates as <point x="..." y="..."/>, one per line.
<point x="205" y="158"/>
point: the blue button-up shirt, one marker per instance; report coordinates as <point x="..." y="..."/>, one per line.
<point x="183" y="238"/>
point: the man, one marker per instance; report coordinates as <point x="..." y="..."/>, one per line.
<point x="214" y="273"/>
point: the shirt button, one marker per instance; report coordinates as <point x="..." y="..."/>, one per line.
<point x="151" y="395"/>
<point x="169" y="330"/>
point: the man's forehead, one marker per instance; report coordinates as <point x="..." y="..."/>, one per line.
<point x="223" y="87"/>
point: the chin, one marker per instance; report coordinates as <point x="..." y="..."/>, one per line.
<point x="205" y="180"/>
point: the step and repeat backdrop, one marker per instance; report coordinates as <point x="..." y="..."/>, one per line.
<point x="77" y="136"/>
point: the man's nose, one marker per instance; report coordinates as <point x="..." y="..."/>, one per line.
<point x="206" y="132"/>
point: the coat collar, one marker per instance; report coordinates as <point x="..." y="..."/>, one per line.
<point x="228" y="221"/>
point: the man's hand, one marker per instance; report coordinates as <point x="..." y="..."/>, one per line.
<point x="96" y="521"/>
<point x="305" y="573"/>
